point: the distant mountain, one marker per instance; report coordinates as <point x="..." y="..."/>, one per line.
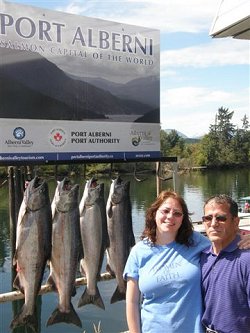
<point x="19" y="101"/>
<point x="143" y="90"/>
<point x="34" y="88"/>
<point x="186" y="138"/>
<point x="192" y="140"/>
<point x="179" y="133"/>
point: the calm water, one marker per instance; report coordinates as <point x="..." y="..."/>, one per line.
<point x="195" y="188"/>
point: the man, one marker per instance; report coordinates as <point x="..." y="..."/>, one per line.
<point x="225" y="270"/>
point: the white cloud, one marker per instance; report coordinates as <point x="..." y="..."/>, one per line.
<point x="217" y="52"/>
<point x="191" y="110"/>
<point x="190" y="97"/>
<point x="72" y="8"/>
<point x="166" y="15"/>
<point x="190" y="124"/>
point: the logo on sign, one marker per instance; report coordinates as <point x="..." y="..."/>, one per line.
<point x="19" y="133"/>
<point x="136" y="140"/>
<point x="57" y="137"/>
<point x="19" y="139"/>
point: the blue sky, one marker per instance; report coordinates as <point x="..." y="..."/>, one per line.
<point x="199" y="74"/>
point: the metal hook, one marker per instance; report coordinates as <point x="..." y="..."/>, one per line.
<point x="136" y="178"/>
<point x="161" y="177"/>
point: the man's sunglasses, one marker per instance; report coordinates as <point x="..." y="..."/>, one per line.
<point x="218" y="218"/>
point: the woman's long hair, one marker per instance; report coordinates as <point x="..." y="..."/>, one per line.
<point x="186" y="228"/>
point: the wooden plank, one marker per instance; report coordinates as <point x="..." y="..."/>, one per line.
<point x="16" y="295"/>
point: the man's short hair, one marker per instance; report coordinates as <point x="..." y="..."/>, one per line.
<point x="222" y="199"/>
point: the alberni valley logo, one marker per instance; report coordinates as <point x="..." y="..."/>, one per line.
<point x="19" y="138"/>
<point x="19" y="133"/>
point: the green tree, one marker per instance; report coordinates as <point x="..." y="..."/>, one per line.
<point x="172" y="144"/>
<point x="225" y="127"/>
<point x="241" y="142"/>
<point x="225" y="144"/>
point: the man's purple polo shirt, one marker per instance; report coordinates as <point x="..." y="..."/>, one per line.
<point x="226" y="289"/>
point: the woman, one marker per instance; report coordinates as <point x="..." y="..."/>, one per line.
<point x="163" y="271"/>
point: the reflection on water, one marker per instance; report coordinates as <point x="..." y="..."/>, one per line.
<point x="195" y="187"/>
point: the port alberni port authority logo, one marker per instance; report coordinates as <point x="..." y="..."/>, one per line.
<point x="57" y="137"/>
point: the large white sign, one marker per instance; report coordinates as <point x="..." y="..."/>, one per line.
<point x="76" y="88"/>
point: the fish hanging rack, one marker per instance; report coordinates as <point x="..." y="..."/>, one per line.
<point x="90" y="161"/>
<point x="46" y="288"/>
<point x="16" y="182"/>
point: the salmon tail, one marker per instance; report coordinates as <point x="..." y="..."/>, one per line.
<point x="62" y="317"/>
<point x="96" y="299"/>
<point x="118" y="296"/>
<point x="23" y="319"/>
